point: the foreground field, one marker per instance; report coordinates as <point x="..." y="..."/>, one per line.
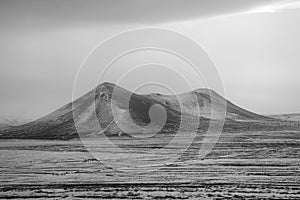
<point x="253" y="165"/>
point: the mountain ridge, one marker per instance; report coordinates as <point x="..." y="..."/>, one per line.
<point x="108" y="101"/>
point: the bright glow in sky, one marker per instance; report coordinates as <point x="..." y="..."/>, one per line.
<point x="276" y="7"/>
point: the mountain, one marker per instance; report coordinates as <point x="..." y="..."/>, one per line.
<point x="104" y="110"/>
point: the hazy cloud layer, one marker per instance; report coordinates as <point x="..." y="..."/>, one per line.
<point x="69" y="12"/>
<point x="43" y="43"/>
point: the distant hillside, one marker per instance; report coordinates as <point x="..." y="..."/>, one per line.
<point x="60" y="123"/>
<point x="289" y="117"/>
<point x="11" y="121"/>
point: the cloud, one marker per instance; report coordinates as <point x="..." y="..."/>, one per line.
<point x="45" y="13"/>
<point x="278" y="6"/>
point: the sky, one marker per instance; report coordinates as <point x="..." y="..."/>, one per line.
<point x="254" y="44"/>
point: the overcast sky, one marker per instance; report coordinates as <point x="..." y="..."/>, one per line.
<point x="254" y="43"/>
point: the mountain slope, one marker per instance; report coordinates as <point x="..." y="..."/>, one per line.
<point x="107" y="98"/>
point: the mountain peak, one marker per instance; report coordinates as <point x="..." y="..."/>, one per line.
<point x="60" y="124"/>
<point x="106" y="86"/>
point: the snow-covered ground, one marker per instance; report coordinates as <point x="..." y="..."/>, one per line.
<point x="250" y="165"/>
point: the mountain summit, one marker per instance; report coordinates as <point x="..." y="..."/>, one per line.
<point x="113" y="106"/>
